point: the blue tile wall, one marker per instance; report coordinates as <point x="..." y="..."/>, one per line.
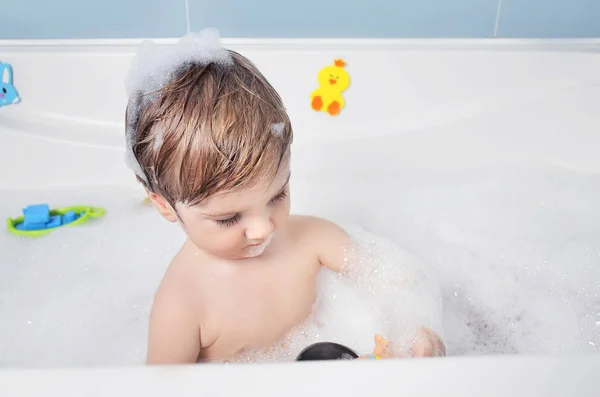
<point x="346" y="18"/>
<point x="58" y="19"/>
<point x="63" y="19"/>
<point x="549" y="18"/>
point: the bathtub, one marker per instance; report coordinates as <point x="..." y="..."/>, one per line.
<point x="423" y="104"/>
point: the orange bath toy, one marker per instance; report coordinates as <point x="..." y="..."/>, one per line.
<point x="381" y="349"/>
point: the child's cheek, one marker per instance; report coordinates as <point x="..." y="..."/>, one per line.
<point x="281" y="214"/>
<point x="232" y="238"/>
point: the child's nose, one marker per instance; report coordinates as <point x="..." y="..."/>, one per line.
<point x="260" y="229"/>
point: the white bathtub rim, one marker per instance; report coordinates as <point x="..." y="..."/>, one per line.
<point x="320" y="44"/>
<point x="460" y="376"/>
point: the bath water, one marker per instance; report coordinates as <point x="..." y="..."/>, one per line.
<point x="516" y="252"/>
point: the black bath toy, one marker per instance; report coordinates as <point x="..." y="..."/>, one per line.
<point x="326" y="351"/>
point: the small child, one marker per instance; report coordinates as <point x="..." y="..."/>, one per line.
<point x="212" y="150"/>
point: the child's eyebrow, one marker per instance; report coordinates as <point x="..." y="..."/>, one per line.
<point x="233" y="213"/>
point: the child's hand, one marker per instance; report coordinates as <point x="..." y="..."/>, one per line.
<point x="426" y="344"/>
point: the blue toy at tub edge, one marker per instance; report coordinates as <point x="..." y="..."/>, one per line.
<point x="38" y="217"/>
<point x="8" y="92"/>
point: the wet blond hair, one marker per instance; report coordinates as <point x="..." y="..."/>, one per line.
<point x="213" y="128"/>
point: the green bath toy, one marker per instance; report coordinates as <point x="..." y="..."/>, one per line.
<point x="39" y="220"/>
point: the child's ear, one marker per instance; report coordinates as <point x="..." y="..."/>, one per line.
<point x="162" y="206"/>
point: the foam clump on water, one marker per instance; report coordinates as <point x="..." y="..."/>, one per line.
<point x="517" y="251"/>
<point x="401" y="290"/>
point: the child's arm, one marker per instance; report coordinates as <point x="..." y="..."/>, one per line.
<point x="332" y="241"/>
<point x="174" y="334"/>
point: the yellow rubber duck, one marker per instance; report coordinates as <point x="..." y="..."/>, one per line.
<point x="333" y="80"/>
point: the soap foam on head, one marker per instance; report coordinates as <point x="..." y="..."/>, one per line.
<point x="277" y="129"/>
<point x="155" y="65"/>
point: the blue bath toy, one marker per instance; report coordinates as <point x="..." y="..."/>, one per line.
<point x="39" y="219"/>
<point x="8" y="92"/>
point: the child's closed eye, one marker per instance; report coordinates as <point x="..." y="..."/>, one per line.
<point x="229" y="221"/>
<point x="237" y="217"/>
<point x="280" y="197"/>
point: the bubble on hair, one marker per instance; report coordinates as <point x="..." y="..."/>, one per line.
<point x="133" y="116"/>
<point x="158" y="138"/>
<point x="277" y="129"/>
<point x="154" y="65"/>
<point x="134" y="165"/>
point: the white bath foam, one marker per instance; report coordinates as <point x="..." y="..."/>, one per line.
<point x="81" y="295"/>
<point x="516" y="252"/>
<point x="402" y="290"/>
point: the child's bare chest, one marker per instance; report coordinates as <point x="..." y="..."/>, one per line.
<point x="260" y="306"/>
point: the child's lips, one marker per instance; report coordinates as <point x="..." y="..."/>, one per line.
<point x="258" y="248"/>
<point x="255" y="250"/>
<point x="261" y="243"/>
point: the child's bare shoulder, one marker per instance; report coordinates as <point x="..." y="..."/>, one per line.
<point x="324" y="236"/>
<point x="314" y="227"/>
<point x="179" y="281"/>
<point x="174" y="335"/>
